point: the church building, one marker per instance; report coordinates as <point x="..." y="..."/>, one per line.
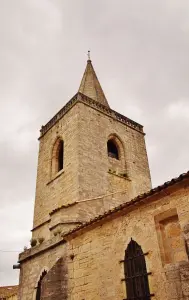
<point x="100" y="232"/>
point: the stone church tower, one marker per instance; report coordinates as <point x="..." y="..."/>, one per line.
<point x="100" y="232"/>
<point x="90" y="159"/>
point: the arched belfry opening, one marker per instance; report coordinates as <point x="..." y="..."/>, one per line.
<point x="38" y="292"/>
<point x="136" y="275"/>
<point x="113" y="150"/>
<point x="58" y="156"/>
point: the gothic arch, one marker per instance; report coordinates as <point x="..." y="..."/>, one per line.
<point x="135" y="271"/>
<point x="121" y="157"/>
<point x="37" y="292"/>
<point x="40" y="273"/>
<point x="115" y="139"/>
<point x="57" y="156"/>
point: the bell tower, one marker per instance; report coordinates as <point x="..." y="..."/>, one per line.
<point x="91" y="158"/>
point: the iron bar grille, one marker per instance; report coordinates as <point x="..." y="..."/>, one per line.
<point x="136" y="275"/>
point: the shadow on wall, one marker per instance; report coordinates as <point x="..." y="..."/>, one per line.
<point x="54" y="284"/>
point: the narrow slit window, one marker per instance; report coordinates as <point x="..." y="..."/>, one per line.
<point x="112" y="149"/>
<point x="61" y="156"/>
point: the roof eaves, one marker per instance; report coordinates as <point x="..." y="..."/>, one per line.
<point x="133" y="202"/>
<point x="62" y="206"/>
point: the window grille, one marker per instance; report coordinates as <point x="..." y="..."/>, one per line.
<point x="136" y="275"/>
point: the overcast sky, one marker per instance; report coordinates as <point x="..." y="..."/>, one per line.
<point x="140" y="51"/>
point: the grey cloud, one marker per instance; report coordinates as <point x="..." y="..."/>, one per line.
<point x="140" y="53"/>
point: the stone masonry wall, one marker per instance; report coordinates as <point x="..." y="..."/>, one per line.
<point x="96" y="268"/>
<point x="88" y="171"/>
<point x="55" y="283"/>
<point x="93" y="255"/>
<point x="94" y="163"/>
<point x="31" y="271"/>
<point x="53" y="193"/>
<point x="177" y="276"/>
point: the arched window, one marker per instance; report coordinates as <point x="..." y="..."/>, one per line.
<point x="112" y="149"/>
<point x="57" y="157"/>
<point x="136" y="275"/>
<point x="60" y="155"/>
<point x="38" y="293"/>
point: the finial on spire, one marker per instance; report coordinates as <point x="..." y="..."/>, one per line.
<point x="90" y="85"/>
<point x="89" y="55"/>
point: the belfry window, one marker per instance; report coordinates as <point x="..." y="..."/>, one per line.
<point x="60" y="156"/>
<point x="38" y="293"/>
<point x="136" y="276"/>
<point x="112" y="149"/>
<point x="57" y="163"/>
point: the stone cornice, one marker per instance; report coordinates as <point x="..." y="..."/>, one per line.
<point x="40" y="225"/>
<point x="61" y="207"/>
<point x="94" y="104"/>
<point x="111" y="113"/>
<point x="39" y="249"/>
<point x="58" y="116"/>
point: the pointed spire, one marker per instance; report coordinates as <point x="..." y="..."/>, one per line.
<point x="90" y="86"/>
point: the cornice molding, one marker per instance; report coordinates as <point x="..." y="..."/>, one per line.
<point x="79" y="97"/>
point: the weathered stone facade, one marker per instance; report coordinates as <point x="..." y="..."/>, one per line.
<point x="88" y="173"/>
<point x="92" y="254"/>
<point x="86" y="213"/>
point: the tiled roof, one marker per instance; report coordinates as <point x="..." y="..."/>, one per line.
<point x="133" y="202"/>
<point x="7" y="291"/>
<point x="62" y="206"/>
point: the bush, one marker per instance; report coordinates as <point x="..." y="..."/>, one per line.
<point x="41" y="240"/>
<point x="58" y="232"/>
<point x="33" y="242"/>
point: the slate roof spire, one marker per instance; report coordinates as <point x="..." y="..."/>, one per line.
<point x="90" y="85"/>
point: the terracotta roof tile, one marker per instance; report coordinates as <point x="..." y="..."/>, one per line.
<point x="7" y="291"/>
<point x="62" y="206"/>
<point x="136" y="200"/>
